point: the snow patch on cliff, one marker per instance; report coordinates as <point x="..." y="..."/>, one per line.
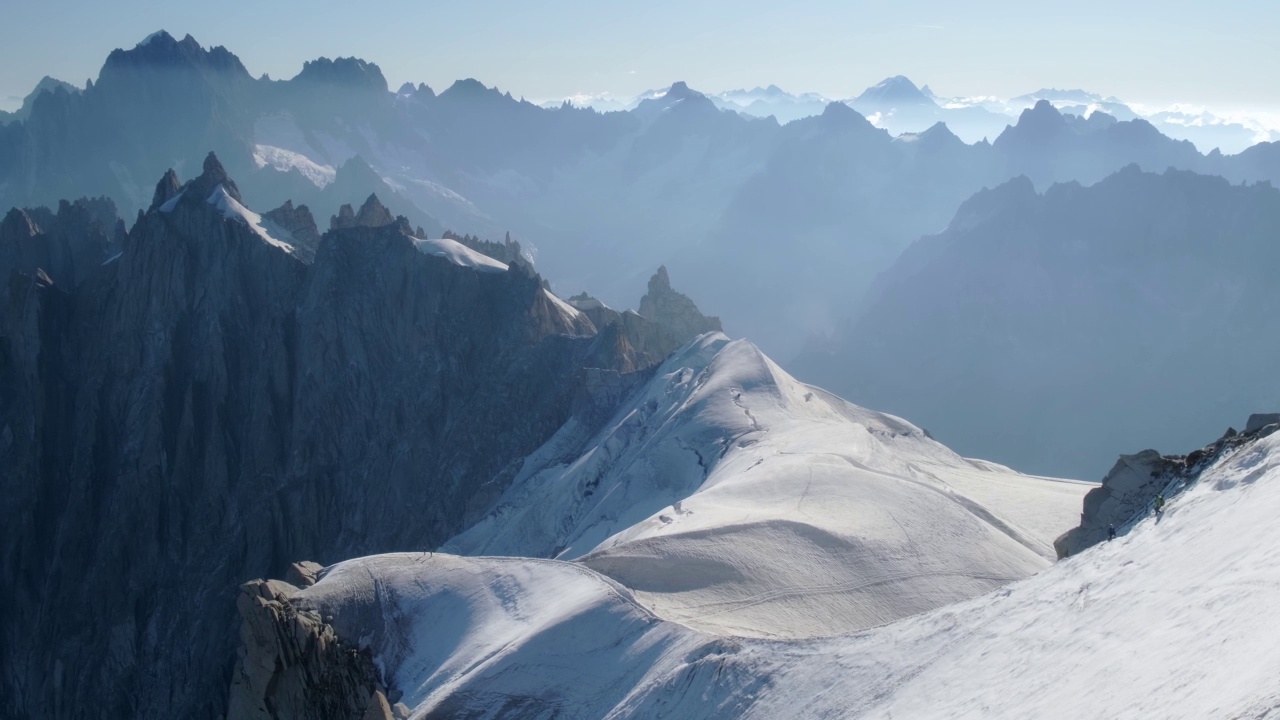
<point x="285" y="160"/>
<point x="459" y="254"/>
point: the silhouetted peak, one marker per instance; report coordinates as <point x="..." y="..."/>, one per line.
<point x="679" y="90"/>
<point x="346" y="218"/>
<point x="897" y="90"/>
<point x="166" y="189"/>
<point x="938" y="135"/>
<point x="201" y="188"/>
<point x="469" y="88"/>
<point x="838" y="115"/>
<point x="1100" y="119"/>
<point x="1041" y="120"/>
<point x="674" y="310"/>
<point x="1042" y="108"/>
<point x="372" y="214"/>
<point x="350" y="72"/>
<point x="160" y="50"/>
<point x="212" y="171"/>
<point x="301" y="225"/>
<point x="660" y="282"/>
<point x="836" y="109"/>
<point x="52" y="84"/>
<point x="356" y="171"/>
<point x="17" y="224"/>
<point x="406" y="89"/>
<point x="47" y="84"/>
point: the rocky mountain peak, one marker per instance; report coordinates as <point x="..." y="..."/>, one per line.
<point x="301" y="224"/>
<point x="939" y="135"/>
<point x="895" y="91"/>
<point x="372" y="214"/>
<point x="350" y="72"/>
<point x="166" y="189"/>
<point x="213" y="175"/>
<point x="65" y="246"/>
<point x="679" y="89"/>
<point x="660" y="282"/>
<point x="17" y="224"/>
<point x="468" y="88"/>
<point x="161" y="51"/>
<point x="1042" y="114"/>
<point x="673" y="309"/>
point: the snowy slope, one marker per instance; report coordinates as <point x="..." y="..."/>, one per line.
<point x="230" y="208"/>
<point x="286" y="160"/>
<point x="459" y="254"/>
<point x="532" y="638"/>
<point x="1175" y="620"/>
<point x="734" y="499"/>
<point x="1170" y="621"/>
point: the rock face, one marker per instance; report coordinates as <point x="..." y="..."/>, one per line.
<point x="301" y="224"/>
<point x="1125" y="492"/>
<point x="666" y="321"/>
<point x="292" y="665"/>
<point x="674" y="310"/>
<point x="1260" y="421"/>
<point x="372" y="214"/>
<point x="206" y="408"/>
<point x="1128" y="491"/>
<point x="68" y="246"/>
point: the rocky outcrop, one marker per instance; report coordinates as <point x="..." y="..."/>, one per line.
<point x="206" y="408"/>
<point x="166" y="189"/>
<point x="301" y="225"/>
<point x="68" y="245"/>
<point x="1128" y="491"/>
<point x="674" y="310"/>
<point x="372" y="214"/>
<point x="292" y="664"/>
<point x="508" y="251"/>
<point x="1262" y="423"/>
<point x="666" y="321"/>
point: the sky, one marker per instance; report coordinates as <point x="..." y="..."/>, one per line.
<point x="1157" y="52"/>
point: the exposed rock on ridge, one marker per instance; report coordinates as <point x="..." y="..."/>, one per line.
<point x="292" y="664"/>
<point x="205" y="408"/>
<point x="1128" y="491"/>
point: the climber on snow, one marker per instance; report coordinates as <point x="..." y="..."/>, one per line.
<point x="1111" y="532"/>
<point x="1159" y="505"/>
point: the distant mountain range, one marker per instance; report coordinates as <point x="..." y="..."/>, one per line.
<point x="1053" y="329"/>
<point x="899" y="106"/>
<point x="785" y="227"/>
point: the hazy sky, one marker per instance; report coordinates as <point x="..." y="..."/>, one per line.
<point x="1221" y="54"/>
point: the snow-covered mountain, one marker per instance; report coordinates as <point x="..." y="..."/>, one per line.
<point x="725" y="484"/>
<point x="723" y="500"/>
<point x="1166" y="621"/>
